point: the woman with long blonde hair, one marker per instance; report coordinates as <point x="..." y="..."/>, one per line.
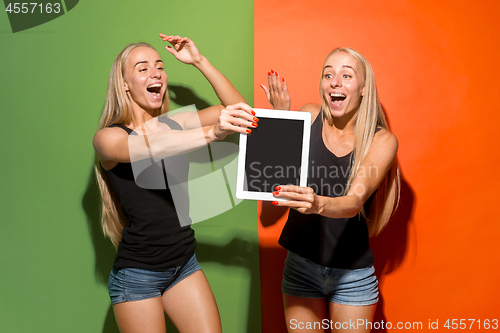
<point x="155" y="270"/>
<point x="353" y="189"/>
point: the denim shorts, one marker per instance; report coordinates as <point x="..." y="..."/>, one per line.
<point x="134" y="284"/>
<point x="304" y="278"/>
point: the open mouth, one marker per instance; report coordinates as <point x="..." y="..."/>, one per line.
<point x="154" y="89"/>
<point x="337" y="98"/>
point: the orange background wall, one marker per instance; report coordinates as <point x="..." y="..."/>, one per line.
<point x="437" y="72"/>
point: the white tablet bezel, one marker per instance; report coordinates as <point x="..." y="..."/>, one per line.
<point x="280" y="114"/>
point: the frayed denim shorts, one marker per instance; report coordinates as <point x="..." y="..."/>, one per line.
<point x="134" y="284"/>
<point x="304" y="278"/>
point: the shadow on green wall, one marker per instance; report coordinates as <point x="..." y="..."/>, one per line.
<point x="103" y="249"/>
<point x="236" y="252"/>
<point x="184" y="96"/>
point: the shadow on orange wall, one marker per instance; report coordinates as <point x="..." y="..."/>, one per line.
<point x="390" y="246"/>
<point x="272" y="260"/>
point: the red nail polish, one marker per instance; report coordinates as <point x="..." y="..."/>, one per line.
<point x="275" y="203"/>
<point x="283" y="79"/>
<point x="254" y="124"/>
<point x="276" y="193"/>
<point x="268" y="73"/>
<point x="272" y="71"/>
<point x="179" y="40"/>
<point x="277" y="73"/>
<point x="249" y="131"/>
<point x="253" y="113"/>
<point x="277" y="188"/>
<point x="256" y="119"/>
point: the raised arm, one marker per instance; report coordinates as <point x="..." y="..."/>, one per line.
<point x="114" y="145"/>
<point x="186" y="51"/>
<point x="373" y="169"/>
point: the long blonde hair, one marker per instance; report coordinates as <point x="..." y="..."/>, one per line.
<point x="369" y="116"/>
<point x="117" y="110"/>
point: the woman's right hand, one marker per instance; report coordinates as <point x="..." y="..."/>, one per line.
<point x="235" y="118"/>
<point x="277" y="94"/>
<point x="183" y="48"/>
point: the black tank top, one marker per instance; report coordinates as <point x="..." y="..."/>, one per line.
<point x="153" y="239"/>
<point x="338" y="243"/>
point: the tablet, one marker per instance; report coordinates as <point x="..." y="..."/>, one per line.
<point x="275" y="153"/>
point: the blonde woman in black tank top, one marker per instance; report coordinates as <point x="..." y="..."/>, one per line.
<point x="154" y="248"/>
<point x="327" y="230"/>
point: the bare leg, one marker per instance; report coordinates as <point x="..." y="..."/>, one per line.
<point x="140" y="316"/>
<point x="191" y="306"/>
<point x="344" y="315"/>
<point x="301" y="314"/>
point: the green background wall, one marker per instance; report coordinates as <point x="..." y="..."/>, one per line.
<point x="54" y="260"/>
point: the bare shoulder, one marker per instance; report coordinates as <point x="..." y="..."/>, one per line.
<point x="312" y="108"/>
<point x="385" y="139"/>
<point x="108" y="138"/>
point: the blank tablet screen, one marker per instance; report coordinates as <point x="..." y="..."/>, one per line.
<point x="273" y="154"/>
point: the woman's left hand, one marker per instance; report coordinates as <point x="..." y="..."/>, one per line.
<point x="302" y="199"/>
<point x="183" y="49"/>
<point x="277" y="93"/>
